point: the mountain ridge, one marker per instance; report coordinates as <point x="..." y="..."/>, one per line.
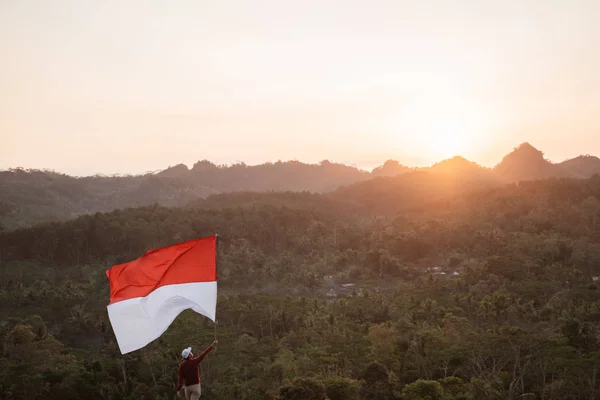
<point x="32" y="196"/>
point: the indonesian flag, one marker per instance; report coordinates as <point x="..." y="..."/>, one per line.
<point x="147" y="294"/>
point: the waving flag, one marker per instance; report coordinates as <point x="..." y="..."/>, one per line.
<point x="147" y="294"/>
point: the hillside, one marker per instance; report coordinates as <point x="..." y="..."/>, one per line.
<point x="492" y="295"/>
<point x="412" y="191"/>
<point x="461" y="169"/>
<point x="29" y="197"/>
<point x="390" y="168"/>
<point x="288" y="199"/>
<point x="528" y="163"/>
<point x="383" y="195"/>
<point x="583" y="166"/>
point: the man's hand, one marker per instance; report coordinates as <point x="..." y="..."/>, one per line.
<point x="215" y="343"/>
<point x="178" y="394"/>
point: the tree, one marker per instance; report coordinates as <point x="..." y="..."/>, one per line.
<point x="303" y="389"/>
<point x="423" y="390"/>
<point x="338" y="388"/>
<point x="376" y="383"/>
<point x="383" y="339"/>
<point x="591" y="207"/>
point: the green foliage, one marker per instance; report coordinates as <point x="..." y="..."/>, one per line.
<point x="456" y="389"/>
<point x="320" y="302"/>
<point x="339" y="388"/>
<point x="303" y="389"/>
<point x="423" y="390"/>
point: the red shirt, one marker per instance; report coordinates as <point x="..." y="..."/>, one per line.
<point x="188" y="370"/>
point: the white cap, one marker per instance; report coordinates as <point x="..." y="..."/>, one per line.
<point x="186" y="352"/>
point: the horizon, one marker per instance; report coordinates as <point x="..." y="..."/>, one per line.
<point x="255" y="83"/>
<point x="368" y="170"/>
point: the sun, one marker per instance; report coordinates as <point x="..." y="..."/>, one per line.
<point x="440" y="125"/>
<point x="449" y="138"/>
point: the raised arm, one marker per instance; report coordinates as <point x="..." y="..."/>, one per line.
<point x="205" y="352"/>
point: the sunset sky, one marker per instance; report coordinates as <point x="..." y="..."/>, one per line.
<point x="131" y="86"/>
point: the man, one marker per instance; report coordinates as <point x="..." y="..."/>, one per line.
<point x="189" y="375"/>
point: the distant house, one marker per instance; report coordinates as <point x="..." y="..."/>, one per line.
<point x="456" y="273"/>
<point x="595" y="278"/>
<point x="347" y="285"/>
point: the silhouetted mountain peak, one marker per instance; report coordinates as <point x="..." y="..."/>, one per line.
<point x="203" y="165"/>
<point x="456" y="161"/>
<point x="584" y="159"/>
<point x="390" y="168"/>
<point x="457" y="164"/>
<point x="528" y="163"/>
<point x="175" y="171"/>
<point x="459" y="168"/>
<point x="527" y="150"/>
<point x="524" y="155"/>
<point x="583" y="166"/>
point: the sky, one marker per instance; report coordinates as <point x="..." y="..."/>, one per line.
<point x="119" y="87"/>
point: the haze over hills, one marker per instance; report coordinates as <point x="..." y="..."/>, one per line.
<point x="528" y="163"/>
<point x="31" y="196"/>
<point x="461" y="168"/>
<point x="583" y="166"/>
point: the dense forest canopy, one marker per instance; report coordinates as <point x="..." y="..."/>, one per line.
<point x="420" y="286"/>
<point x="31" y="196"/>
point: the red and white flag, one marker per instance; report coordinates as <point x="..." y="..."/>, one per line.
<point x="147" y="294"/>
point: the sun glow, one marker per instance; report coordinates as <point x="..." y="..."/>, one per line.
<point x="449" y="137"/>
<point x="441" y="125"/>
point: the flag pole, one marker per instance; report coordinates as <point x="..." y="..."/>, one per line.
<point x="217" y="255"/>
<point x="216" y="273"/>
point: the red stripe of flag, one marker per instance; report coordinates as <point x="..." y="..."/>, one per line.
<point x="187" y="262"/>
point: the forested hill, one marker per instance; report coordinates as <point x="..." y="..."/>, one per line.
<point x="30" y="196"/>
<point x="490" y="294"/>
